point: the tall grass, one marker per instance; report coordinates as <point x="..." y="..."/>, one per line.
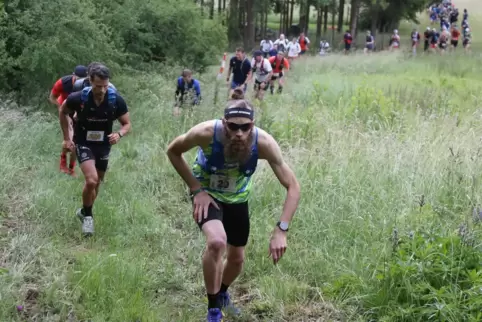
<point x="386" y="149"/>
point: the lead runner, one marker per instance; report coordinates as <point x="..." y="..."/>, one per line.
<point x="220" y="184"/>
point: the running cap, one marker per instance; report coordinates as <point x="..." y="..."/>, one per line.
<point x="80" y="71"/>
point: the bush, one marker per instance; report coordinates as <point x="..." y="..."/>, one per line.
<point x="46" y="39"/>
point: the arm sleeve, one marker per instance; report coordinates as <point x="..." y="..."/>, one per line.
<point x="197" y="87"/>
<point x="121" y="106"/>
<point x="267" y="66"/>
<point x="178" y="88"/>
<point x="58" y="89"/>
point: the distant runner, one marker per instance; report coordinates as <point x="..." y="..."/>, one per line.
<point x="188" y="90"/>
<point x="293" y="50"/>
<point x="455" y="35"/>
<point x="220" y="182"/>
<point x="415" y="36"/>
<point x="281" y="43"/>
<point x="467" y="40"/>
<point x="347" y="40"/>
<point x="97" y="108"/>
<point x="62" y="88"/>
<point x="369" y="43"/>
<point x="304" y="43"/>
<point x="240" y="67"/>
<point x="395" y="40"/>
<point x="264" y="71"/>
<point x="278" y="64"/>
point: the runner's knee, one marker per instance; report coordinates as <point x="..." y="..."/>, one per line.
<point x="91" y="181"/>
<point x="216" y="244"/>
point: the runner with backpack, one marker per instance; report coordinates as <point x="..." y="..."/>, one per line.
<point x="278" y="64"/>
<point x="59" y="93"/>
<point x="97" y="107"/>
<point x="263" y="72"/>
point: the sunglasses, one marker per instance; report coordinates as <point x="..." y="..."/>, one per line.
<point x="235" y="127"/>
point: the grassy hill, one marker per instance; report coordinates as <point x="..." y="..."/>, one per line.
<point x="385" y="147"/>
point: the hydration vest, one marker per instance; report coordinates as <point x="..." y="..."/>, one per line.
<point x="281" y="65"/>
<point x="216" y="160"/>
<point x="262" y="71"/>
<point x="111" y="97"/>
<point x="67" y="84"/>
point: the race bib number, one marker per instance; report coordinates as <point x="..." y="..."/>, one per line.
<point x="96" y="136"/>
<point x="223" y="183"/>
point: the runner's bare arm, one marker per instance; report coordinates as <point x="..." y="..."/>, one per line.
<point x="53" y="99"/>
<point x="125" y="122"/>
<point x="65" y="125"/>
<point x="271" y="152"/>
<point x="199" y="135"/>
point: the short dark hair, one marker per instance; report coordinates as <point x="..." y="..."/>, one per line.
<point x="186" y="73"/>
<point x="240" y="49"/>
<point x="99" y="70"/>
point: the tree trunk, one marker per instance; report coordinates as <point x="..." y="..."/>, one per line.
<point x="319" y="20"/>
<point x="286" y="12"/>
<point x="265" y="21"/>
<point x="302" y="13"/>
<point x="249" y="29"/>
<point x="307" y="21"/>
<point x="341" y="14"/>
<point x="355" y="10"/>
<point x="292" y="9"/>
<point x="233" y="21"/>
<point x="325" y="20"/>
<point x="333" y="20"/>
<point x="211" y="9"/>
<point x="224" y="5"/>
<point x="375" y="11"/>
<point x="219" y="7"/>
<point x="202" y="7"/>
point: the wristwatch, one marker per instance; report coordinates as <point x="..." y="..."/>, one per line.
<point x="283" y="225"/>
<point x="120" y="134"/>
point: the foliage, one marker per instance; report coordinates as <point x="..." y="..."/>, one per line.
<point x="45" y="39"/>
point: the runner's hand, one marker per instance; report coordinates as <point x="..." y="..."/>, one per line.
<point x="113" y="138"/>
<point x="68" y="145"/>
<point x="277" y="245"/>
<point x="75" y="117"/>
<point x="201" y="201"/>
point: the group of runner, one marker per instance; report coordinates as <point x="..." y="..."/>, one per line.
<point x="265" y="72"/>
<point x="220" y="179"/>
<point x="435" y="41"/>
<point x="88" y="105"/>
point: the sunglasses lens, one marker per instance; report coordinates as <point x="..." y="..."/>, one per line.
<point x="236" y="127"/>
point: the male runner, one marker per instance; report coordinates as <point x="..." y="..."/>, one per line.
<point x="240" y="67"/>
<point x="278" y="63"/>
<point x="220" y="184"/>
<point x="62" y="88"/>
<point x="186" y="86"/>
<point x="97" y="107"/>
<point x="263" y="72"/>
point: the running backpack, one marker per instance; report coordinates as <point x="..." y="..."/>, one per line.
<point x="111" y="97"/>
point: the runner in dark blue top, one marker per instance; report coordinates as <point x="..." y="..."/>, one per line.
<point x="240" y="67"/>
<point x="97" y="107"/>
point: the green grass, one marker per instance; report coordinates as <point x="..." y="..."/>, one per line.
<point x="366" y="137"/>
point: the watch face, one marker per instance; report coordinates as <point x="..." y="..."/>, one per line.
<point x="283" y="225"/>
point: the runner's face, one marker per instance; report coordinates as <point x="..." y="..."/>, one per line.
<point x="187" y="79"/>
<point x="239" y="55"/>
<point x="239" y="132"/>
<point x="99" y="87"/>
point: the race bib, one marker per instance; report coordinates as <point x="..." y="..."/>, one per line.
<point x="96" y="136"/>
<point x="275" y="74"/>
<point x="222" y="183"/>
